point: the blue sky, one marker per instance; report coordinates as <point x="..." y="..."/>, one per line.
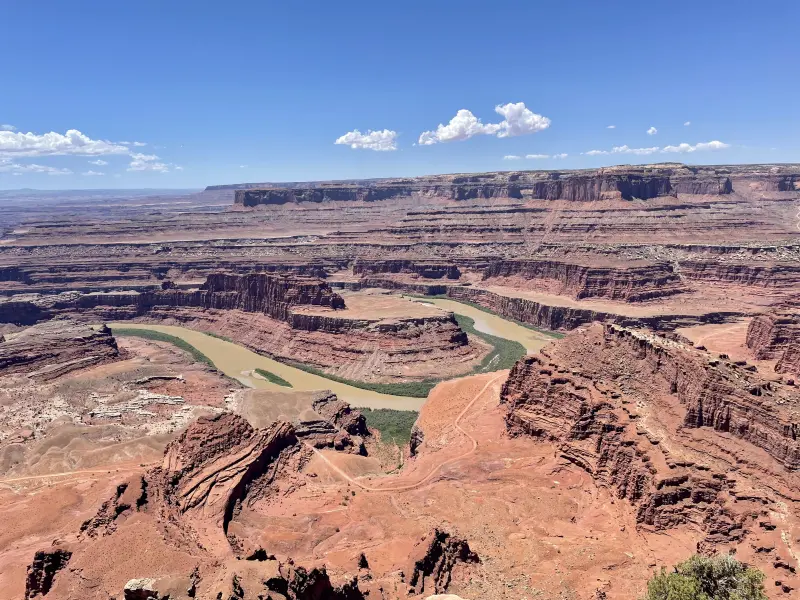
<point x="222" y="92"/>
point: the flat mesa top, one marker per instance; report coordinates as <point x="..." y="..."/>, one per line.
<point x="374" y="307"/>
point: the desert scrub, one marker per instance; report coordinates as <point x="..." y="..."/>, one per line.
<point x="720" y="577"/>
<point x="158" y="336"/>
<point x="394" y="425"/>
<point x="413" y="389"/>
<point x="273" y="378"/>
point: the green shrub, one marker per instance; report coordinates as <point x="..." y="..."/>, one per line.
<point x="158" y="336"/>
<point x="721" y="577"/>
<point x="273" y="378"/>
<point x="413" y="389"/>
<point x="394" y="425"/>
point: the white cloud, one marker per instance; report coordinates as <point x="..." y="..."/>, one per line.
<point x="99" y="162"/>
<point x="537" y="156"/>
<point x="623" y="150"/>
<point x="511" y="157"/>
<point x="139" y="144"/>
<point x="8" y="166"/>
<point x="91" y="173"/>
<point x="242" y="166"/>
<point x="687" y="123"/>
<point x="685" y="148"/>
<point x="7" y="127"/>
<point x="147" y="162"/>
<point x="639" y="151"/>
<point x="52" y="143"/>
<point x="564" y="155"/>
<point x="380" y="141"/>
<point x="611" y="127"/>
<point x="682" y="148"/>
<point x="461" y="127"/>
<point x="652" y="131"/>
<point x="518" y="120"/>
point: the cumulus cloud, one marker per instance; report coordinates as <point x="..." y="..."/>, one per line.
<point x="517" y="120"/>
<point x="537" y="156"/>
<point x="91" y="173"/>
<point x="148" y="162"/>
<point x="99" y="162"/>
<point x="50" y="144"/>
<point x="7" y="127"/>
<point x="611" y="127"/>
<point x="9" y="166"/>
<point x="687" y="123"/>
<point x="511" y="157"/>
<point x="685" y="148"/>
<point x="380" y="141"/>
<point x="563" y="155"/>
<point x="652" y="131"/>
<point x="461" y="127"/>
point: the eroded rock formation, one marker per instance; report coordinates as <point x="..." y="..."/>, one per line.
<point x="657" y="421"/>
<point x="434" y="559"/>
<point x="627" y="282"/>
<point x="43" y="570"/>
<point x="776" y="336"/>
<point x="54" y="348"/>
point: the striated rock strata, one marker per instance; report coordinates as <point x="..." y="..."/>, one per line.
<point x="661" y="423"/>
<point x="54" y="348"/>
<point x="776" y="335"/>
<point x="623" y="183"/>
<point x="629" y="283"/>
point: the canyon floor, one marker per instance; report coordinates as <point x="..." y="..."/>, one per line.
<point x="604" y="366"/>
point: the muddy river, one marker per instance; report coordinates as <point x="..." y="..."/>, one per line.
<point x="239" y="362"/>
<point x="494" y="325"/>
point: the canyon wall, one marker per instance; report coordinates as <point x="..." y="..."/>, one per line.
<point x="622" y="183"/>
<point x="268" y="294"/>
<point x="776" y="336"/>
<point x="54" y="348"/>
<point x="658" y="422"/>
<point x="781" y="275"/>
<point x="426" y="269"/>
<point x="555" y="317"/>
<point x="627" y="283"/>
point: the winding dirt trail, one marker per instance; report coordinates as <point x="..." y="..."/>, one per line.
<point x="434" y="470"/>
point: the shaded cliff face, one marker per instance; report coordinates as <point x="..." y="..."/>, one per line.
<point x="776" y="336"/>
<point x="272" y="295"/>
<point x="425" y="269"/>
<point x="658" y="421"/>
<point x="627" y="283"/>
<point x="625" y="183"/>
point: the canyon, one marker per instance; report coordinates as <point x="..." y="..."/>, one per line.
<point x="654" y="412"/>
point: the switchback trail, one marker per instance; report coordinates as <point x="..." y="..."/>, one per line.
<point x="434" y="470"/>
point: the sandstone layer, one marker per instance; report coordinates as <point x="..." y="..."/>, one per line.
<point x="689" y="439"/>
<point x="776" y="335"/>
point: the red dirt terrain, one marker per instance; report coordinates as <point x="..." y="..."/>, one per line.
<point x="665" y="421"/>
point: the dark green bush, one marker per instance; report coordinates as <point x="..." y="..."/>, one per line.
<point x="721" y="577"/>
